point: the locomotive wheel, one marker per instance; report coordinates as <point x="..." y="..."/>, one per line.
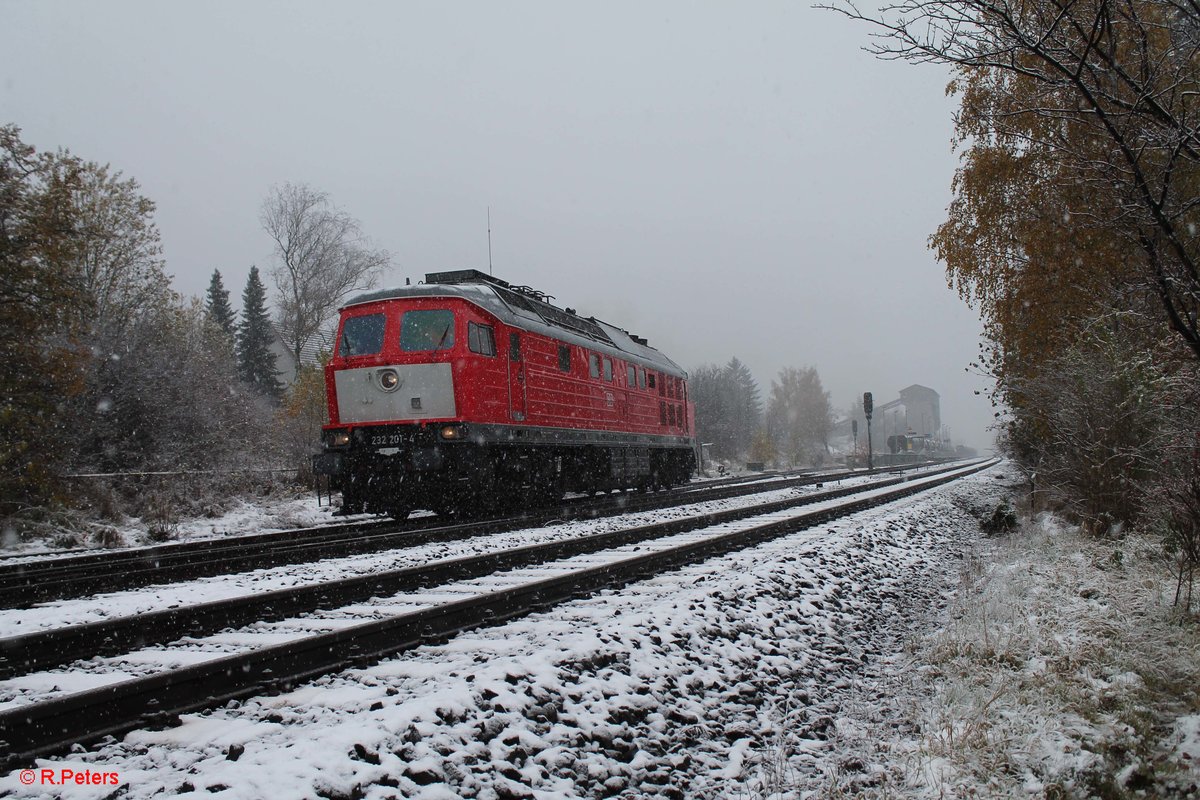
<point x="353" y="500"/>
<point x="444" y="510"/>
<point x="552" y="494"/>
<point x="399" y="511"/>
<point x="546" y="486"/>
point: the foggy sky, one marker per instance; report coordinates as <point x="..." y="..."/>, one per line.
<point x="724" y="179"/>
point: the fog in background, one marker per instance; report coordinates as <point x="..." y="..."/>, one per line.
<point x="724" y="179"/>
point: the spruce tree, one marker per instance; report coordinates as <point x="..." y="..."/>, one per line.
<point x="744" y="404"/>
<point x="217" y="304"/>
<point x="256" y="362"/>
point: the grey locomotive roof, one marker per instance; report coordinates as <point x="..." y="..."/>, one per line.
<point x="530" y="313"/>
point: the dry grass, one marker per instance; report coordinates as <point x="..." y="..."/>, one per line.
<point x="1060" y="673"/>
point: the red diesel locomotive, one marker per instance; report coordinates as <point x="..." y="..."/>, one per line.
<point x="467" y="393"/>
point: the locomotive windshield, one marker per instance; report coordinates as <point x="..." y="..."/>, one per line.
<point x="427" y="329"/>
<point x="362" y="336"/>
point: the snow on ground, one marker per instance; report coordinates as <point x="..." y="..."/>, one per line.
<point x="278" y="511"/>
<point x="283" y="510"/>
<point x="1061" y="670"/>
<point x="723" y="679"/>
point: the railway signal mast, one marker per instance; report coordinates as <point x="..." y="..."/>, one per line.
<point x="868" y="407"/>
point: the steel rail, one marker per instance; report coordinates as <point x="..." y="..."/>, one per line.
<point x="54" y="725"/>
<point x="75" y="559"/>
<point x="25" y="653"/>
<point x="81" y="564"/>
<point x="27" y="583"/>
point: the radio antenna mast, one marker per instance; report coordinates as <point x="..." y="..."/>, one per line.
<point x="489" y="240"/>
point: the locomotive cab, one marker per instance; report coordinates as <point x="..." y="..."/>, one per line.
<point x="409" y="379"/>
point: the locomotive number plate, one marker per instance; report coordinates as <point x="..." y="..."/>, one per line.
<point x="387" y="440"/>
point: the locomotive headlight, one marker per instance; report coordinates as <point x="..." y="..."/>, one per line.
<point x="338" y="438"/>
<point x="451" y="432"/>
<point x="389" y="380"/>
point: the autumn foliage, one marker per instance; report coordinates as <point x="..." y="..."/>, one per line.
<point x="103" y="368"/>
<point x="1075" y="231"/>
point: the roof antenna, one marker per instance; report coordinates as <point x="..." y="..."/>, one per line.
<point x="489" y="240"/>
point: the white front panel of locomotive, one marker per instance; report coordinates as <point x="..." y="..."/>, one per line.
<point x="424" y="391"/>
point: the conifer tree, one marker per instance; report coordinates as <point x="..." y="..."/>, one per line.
<point x="728" y="407"/>
<point x="745" y="403"/>
<point x="217" y="305"/>
<point x="256" y="362"/>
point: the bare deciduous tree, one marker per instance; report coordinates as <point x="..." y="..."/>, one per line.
<point x="799" y="415"/>
<point x="322" y="256"/>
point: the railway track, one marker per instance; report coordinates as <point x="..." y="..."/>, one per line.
<point x="41" y="649"/>
<point x="25" y="583"/>
<point x="365" y="620"/>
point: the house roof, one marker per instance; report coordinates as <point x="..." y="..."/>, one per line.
<point x="318" y="345"/>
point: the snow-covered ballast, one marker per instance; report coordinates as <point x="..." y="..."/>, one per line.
<point x="467" y="391"/>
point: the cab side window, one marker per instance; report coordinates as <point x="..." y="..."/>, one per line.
<point x="564" y="358"/>
<point x="594" y="365"/>
<point x="481" y="339"/>
<point x="608" y="373"/>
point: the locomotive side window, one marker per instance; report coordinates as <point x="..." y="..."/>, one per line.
<point x="594" y="365"/>
<point x="632" y="374"/>
<point x="481" y="339"/>
<point x="662" y="385"/>
<point x="642" y="378"/>
<point x="608" y="373"/>
<point x="427" y="329"/>
<point x="514" y="347"/>
<point x="362" y="336"/>
<point x="564" y="358"/>
<point x="650" y="378"/>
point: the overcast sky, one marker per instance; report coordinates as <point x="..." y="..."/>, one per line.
<point x="723" y="178"/>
